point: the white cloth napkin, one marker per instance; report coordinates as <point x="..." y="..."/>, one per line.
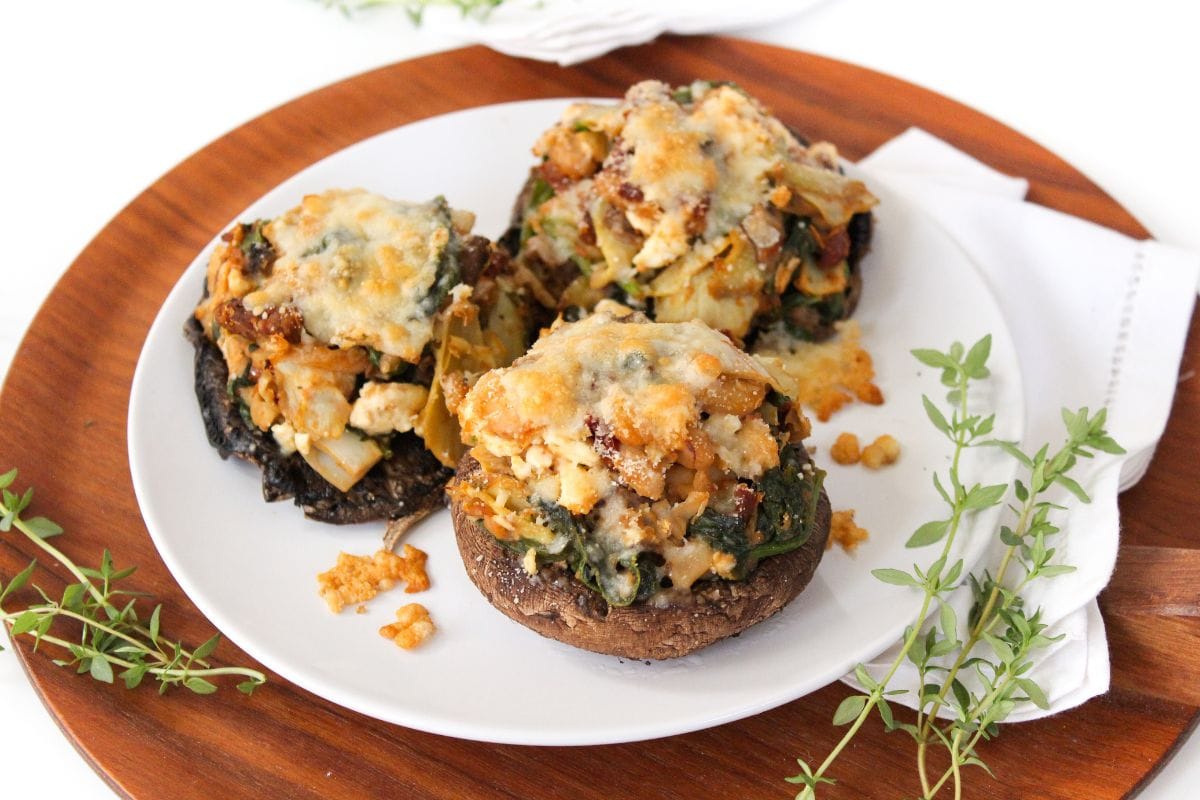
<point x="570" y="31"/>
<point x="1097" y="319"/>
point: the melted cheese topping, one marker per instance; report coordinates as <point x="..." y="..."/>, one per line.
<point x="699" y="167"/>
<point x="358" y="266"/>
<point x="609" y="441"/>
<point x="644" y="386"/>
<point x="346" y="285"/>
<point x="718" y="151"/>
<point x="690" y="197"/>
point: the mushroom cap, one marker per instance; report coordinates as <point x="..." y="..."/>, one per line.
<point x="556" y="605"/>
<point x="409" y="484"/>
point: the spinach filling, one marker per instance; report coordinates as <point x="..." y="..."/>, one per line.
<point x="256" y="248"/>
<point x="448" y="269"/>
<point x="540" y="191"/>
<point x="782" y="521"/>
<point x="620" y="578"/>
<point x="800" y="312"/>
<point x="779" y="518"/>
<point x="233" y="390"/>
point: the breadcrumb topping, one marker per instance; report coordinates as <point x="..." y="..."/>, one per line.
<point x="412" y="626"/>
<point x="356" y="579"/>
<point x="883" y="451"/>
<point x="845" y="449"/>
<point x="844" y="532"/>
<point x="823" y="376"/>
<point x="877" y="455"/>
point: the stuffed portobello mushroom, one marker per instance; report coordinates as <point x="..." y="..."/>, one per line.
<point x="692" y="203"/>
<point x="636" y="488"/>
<point x="334" y="341"/>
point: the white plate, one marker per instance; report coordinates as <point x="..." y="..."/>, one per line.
<point x="250" y="566"/>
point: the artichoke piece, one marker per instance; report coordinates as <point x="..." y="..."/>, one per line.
<point x="725" y="295"/>
<point x="344" y="460"/>
<point x="618" y="249"/>
<point x="466" y="349"/>
<point x="817" y="282"/>
<point x="835" y="197"/>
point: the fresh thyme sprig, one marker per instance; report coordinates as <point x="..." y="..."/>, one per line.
<point x="478" y="9"/>
<point x="111" y="635"/>
<point x="999" y="682"/>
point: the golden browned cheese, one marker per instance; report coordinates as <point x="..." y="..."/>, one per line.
<point x="687" y="196"/>
<point x="645" y="385"/>
<point x="638" y="424"/>
<point x="307" y="304"/>
<point x="357" y="266"/>
<point x="823" y="376"/>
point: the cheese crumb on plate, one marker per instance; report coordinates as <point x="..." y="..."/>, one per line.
<point x="412" y="626"/>
<point x="356" y="579"/>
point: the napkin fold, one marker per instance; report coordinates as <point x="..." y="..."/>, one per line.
<point x="1097" y="318"/>
<point x="570" y="31"/>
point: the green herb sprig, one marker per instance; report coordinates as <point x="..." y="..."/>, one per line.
<point x="942" y="656"/>
<point x="113" y="642"/>
<point x="477" y="9"/>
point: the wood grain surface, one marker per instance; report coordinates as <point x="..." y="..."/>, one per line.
<point x="64" y="407"/>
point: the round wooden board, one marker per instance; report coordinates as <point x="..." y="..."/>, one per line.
<point x="64" y="407"/>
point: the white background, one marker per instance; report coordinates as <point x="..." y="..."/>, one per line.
<point x="100" y="98"/>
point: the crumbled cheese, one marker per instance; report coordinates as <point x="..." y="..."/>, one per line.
<point x="356" y="579"/>
<point x="845" y="449"/>
<point x="844" y="532"/>
<point x="688" y="562"/>
<point x="539" y="458"/>
<point x="285" y="437"/>
<point x="883" y="451"/>
<point x="412" y="626"/>
<point x="823" y="376"/>
<point x="745" y="447"/>
<point x="580" y="488"/>
<point x="385" y="407"/>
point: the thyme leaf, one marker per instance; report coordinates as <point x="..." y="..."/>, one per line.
<point x="977" y="670"/>
<point x="109" y="638"/>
